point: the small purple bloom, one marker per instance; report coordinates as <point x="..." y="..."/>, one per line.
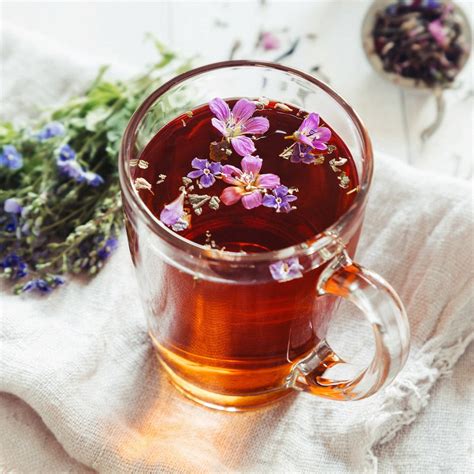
<point x="269" y="41"/>
<point x="248" y="184"/>
<point x="93" y="179"/>
<point x="110" y="245"/>
<point x="286" y="270"/>
<point x="173" y="214"/>
<point x="51" y="130"/>
<point x="235" y="124"/>
<point x="14" y="265"/>
<point x="437" y="32"/>
<point x="205" y="170"/>
<point x="12" y="206"/>
<point x="66" y="153"/>
<point x="311" y="134"/>
<point x="37" y="284"/>
<point x="72" y="169"/>
<point x="302" y="154"/>
<point x="280" y="199"/>
<point x="11" y="158"/>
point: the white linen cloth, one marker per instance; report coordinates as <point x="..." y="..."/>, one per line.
<point x="82" y="360"/>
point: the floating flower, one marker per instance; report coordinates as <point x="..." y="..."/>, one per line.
<point x="110" y="245"/>
<point x="238" y="123"/>
<point x="12" y="206"/>
<point x="14" y="266"/>
<point x="206" y="171"/>
<point x="280" y="199"/>
<point x="286" y="270"/>
<point x="248" y="184"/>
<point x="51" y="130"/>
<point x="173" y="214"/>
<point x="11" y="158"/>
<point x="66" y="153"/>
<point x="302" y="154"/>
<point x="269" y="41"/>
<point x="311" y="134"/>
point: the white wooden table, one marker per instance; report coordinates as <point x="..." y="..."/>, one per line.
<point x="114" y="32"/>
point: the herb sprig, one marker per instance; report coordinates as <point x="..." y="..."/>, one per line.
<point x="60" y="205"/>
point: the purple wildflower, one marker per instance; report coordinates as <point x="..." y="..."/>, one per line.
<point x="11" y="158"/>
<point x="15" y="266"/>
<point x="173" y="214"/>
<point x="206" y="171"/>
<point x="72" y="169"/>
<point x="235" y="124"/>
<point x="280" y="199"/>
<point x="12" y="206"/>
<point x="248" y="184"/>
<point x="302" y="154"/>
<point x="93" y="179"/>
<point x="286" y="270"/>
<point x="311" y="134"/>
<point x="51" y="130"/>
<point x="269" y="41"/>
<point x="110" y="245"/>
<point x="38" y="284"/>
<point x="66" y="153"/>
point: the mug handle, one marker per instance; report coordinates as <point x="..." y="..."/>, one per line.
<point x="385" y="313"/>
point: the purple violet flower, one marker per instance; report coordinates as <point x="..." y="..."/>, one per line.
<point x="235" y="124"/>
<point x="93" y="179"/>
<point x="14" y="265"/>
<point x="248" y="184"/>
<point x="311" y="134"/>
<point x="51" y="130"/>
<point x="280" y="199"/>
<point x="72" y="169"/>
<point x="173" y="214"/>
<point x="110" y="245"/>
<point x="269" y="41"/>
<point x="12" y="206"/>
<point x="37" y="284"/>
<point x="11" y="158"/>
<point x="205" y="170"/>
<point x="302" y="154"/>
<point x="286" y="270"/>
<point x="66" y="153"/>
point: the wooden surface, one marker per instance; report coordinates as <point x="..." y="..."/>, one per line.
<point x="114" y="32"/>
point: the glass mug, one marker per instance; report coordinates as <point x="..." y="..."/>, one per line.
<point x="228" y="334"/>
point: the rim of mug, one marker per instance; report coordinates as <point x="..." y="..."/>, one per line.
<point x="306" y="247"/>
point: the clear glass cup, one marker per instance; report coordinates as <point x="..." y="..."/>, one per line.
<point x="259" y="343"/>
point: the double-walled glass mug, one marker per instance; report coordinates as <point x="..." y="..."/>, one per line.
<point x="228" y="334"/>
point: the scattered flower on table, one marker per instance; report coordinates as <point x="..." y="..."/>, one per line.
<point x="269" y="41"/>
<point x="41" y="285"/>
<point x="286" y="270"/>
<point x="173" y="214"/>
<point x="235" y="124"/>
<point x="11" y="158"/>
<point x="51" y="130"/>
<point x="248" y="184"/>
<point x="206" y="171"/>
<point x="280" y="199"/>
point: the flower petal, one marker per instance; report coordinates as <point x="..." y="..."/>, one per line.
<point x="280" y="191"/>
<point x="319" y="145"/>
<point x="215" y="167"/>
<point x="243" y="110"/>
<point x="207" y="180"/>
<point x="243" y="145"/>
<point x="268" y="181"/>
<point x="220" y="109"/>
<point x="220" y="126"/>
<point x="173" y="211"/>
<point x="291" y="198"/>
<point x="252" y="200"/>
<point x="256" y="125"/>
<point x="12" y="206"/>
<point x="322" y="134"/>
<point x="305" y="140"/>
<point x="310" y="123"/>
<point x="251" y="164"/>
<point x="199" y="163"/>
<point x="231" y="195"/>
<point x="269" y="200"/>
<point x="195" y="174"/>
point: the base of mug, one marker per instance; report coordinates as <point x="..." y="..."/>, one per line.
<point x="219" y="401"/>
